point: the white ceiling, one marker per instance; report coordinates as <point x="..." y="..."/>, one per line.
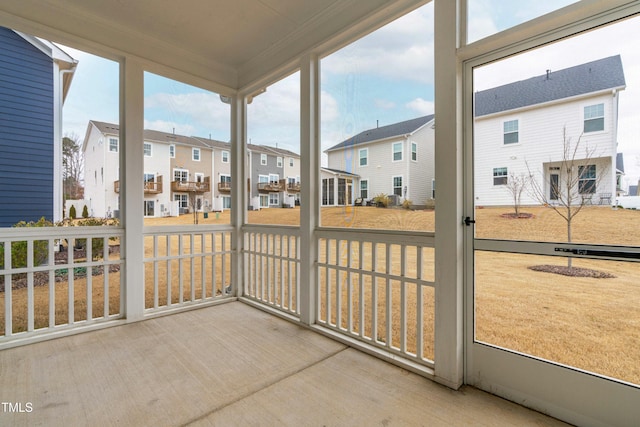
<point x="232" y="42"/>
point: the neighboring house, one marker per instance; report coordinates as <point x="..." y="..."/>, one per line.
<point x="177" y="171"/>
<point x="395" y="160"/>
<point x="271" y="183"/>
<point x="182" y="173"/>
<point x="633" y="190"/>
<point x="519" y="131"/>
<point x="340" y="188"/>
<point x="619" y="174"/>
<point x="35" y="76"/>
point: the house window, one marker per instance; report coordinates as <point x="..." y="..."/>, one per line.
<point x="181" y="175"/>
<point x="199" y="177"/>
<point x="263" y="179"/>
<point x="364" y="189"/>
<point x="149" y="177"/>
<point x="594" y="118"/>
<point x="397" y="185"/>
<point x="433" y="188"/>
<point x="510" y="129"/>
<point x="327" y="191"/>
<point x="279" y="162"/>
<point x="264" y="201"/>
<point x="172" y="151"/>
<point x="397" y="151"/>
<point x="225" y="157"/>
<point x="363" y="153"/>
<point x="499" y="176"/>
<point x="274" y="199"/>
<point x="195" y="154"/>
<point x="226" y="202"/>
<point x="149" y="208"/>
<point x="147" y="149"/>
<point x="587" y="179"/>
<point x="291" y="161"/>
<point x="263" y="159"/>
<point x="414" y="151"/>
<point x="274" y="178"/>
<point x="225" y="178"/>
<point x="182" y="199"/>
<point x="113" y="145"/>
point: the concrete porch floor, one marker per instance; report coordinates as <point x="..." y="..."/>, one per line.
<point x="229" y="365"/>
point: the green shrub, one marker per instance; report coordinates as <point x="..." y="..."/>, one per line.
<point x="407" y="204"/>
<point x="85" y="212"/>
<point x="19" y="249"/>
<point x="381" y="200"/>
<point x="97" y="244"/>
<point x="72" y="212"/>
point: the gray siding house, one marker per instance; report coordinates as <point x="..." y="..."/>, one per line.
<point x="35" y="76"/>
<point x="268" y="186"/>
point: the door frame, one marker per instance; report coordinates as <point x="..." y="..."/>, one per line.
<point x="562" y="391"/>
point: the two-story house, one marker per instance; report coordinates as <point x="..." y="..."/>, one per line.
<point x="395" y="160"/>
<point x="177" y="171"/>
<point x="523" y="128"/>
<point x="35" y="76"/>
<point x="266" y="177"/>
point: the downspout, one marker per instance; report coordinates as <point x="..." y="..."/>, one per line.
<point x="614" y="154"/>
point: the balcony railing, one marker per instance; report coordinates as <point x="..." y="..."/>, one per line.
<point x="224" y="187"/>
<point x="270" y="187"/>
<point x="191" y="186"/>
<point x="150" y="187"/>
<point x="293" y="187"/>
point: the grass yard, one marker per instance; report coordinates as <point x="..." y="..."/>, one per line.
<point x="592" y="324"/>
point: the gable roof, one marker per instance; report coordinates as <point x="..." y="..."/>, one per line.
<point x="620" y="162"/>
<point x="396" y="129"/>
<point x="595" y="76"/>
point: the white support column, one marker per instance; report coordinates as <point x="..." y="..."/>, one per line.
<point x="310" y="179"/>
<point x="131" y="194"/>
<point x="448" y="216"/>
<point x="238" y="188"/>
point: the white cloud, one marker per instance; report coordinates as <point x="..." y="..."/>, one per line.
<point x="421" y="106"/>
<point x="401" y="50"/>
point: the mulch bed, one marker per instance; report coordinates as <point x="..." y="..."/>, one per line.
<point x="521" y="215"/>
<point x="42" y="278"/>
<point x="572" y="271"/>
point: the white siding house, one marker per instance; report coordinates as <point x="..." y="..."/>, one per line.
<point x="397" y="159"/>
<point x="101" y="147"/>
<point x="521" y="130"/>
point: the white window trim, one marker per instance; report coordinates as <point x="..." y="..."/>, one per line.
<point x="393" y="187"/>
<point x="366" y="150"/>
<point x="198" y="175"/>
<point x="414" y="144"/>
<point x="502" y="133"/>
<point x="181" y="170"/>
<point x="117" y="145"/>
<point x="265" y="177"/>
<point x="225" y="157"/>
<point x="274" y="196"/>
<point x="291" y="162"/>
<point x="172" y="151"/>
<point x="401" y="151"/>
<point x="195" y="150"/>
<point x="150" y="149"/>
<point x="263" y="159"/>
<point x="367" y="182"/>
<point x="604" y="117"/>
<point x="279" y="162"/>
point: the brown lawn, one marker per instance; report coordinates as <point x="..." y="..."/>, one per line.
<point x="592" y="324"/>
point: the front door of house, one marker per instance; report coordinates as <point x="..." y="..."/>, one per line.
<point x="553" y="304"/>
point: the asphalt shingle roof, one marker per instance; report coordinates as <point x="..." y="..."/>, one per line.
<point x="396" y="129"/>
<point x="595" y="76"/>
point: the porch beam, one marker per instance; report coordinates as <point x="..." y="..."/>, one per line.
<point x="310" y="177"/>
<point x="448" y="216"/>
<point x="131" y="165"/>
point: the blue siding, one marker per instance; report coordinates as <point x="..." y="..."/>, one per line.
<point x="26" y="131"/>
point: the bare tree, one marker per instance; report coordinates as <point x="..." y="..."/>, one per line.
<point x="573" y="187"/>
<point x="72" y="168"/>
<point x="516" y="185"/>
<point x="193" y="201"/>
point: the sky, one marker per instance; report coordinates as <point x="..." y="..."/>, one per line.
<point x="380" y="79"/>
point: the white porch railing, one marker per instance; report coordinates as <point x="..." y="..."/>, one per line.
<point x="272" y="266"/>
<point x="186" y="265"/>
<point x="378" y="287"/>
<point x="58" y="278"/>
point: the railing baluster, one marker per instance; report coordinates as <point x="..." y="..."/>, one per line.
<point x="169" y="272"/>
<point x="361" y="288"/>
<point x="419" y="311"/>
<point x="156" y="285"/>
<point x="192" y="265"/>
<point x="180" y="268"/>
<point x="203" y="265"/>
<point x="374" y="292"/>
<point x="52" y="283"/>
<point x="388" y="297"/>
<point x="30" y="302"/>
<point x="89" y="278"/>
<point x="403" y="298"/>
<point x="105" y="277"/>
<point x="70" y="278"/>
<point x="349" y="289"/>
<point x="8" y="289"/>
